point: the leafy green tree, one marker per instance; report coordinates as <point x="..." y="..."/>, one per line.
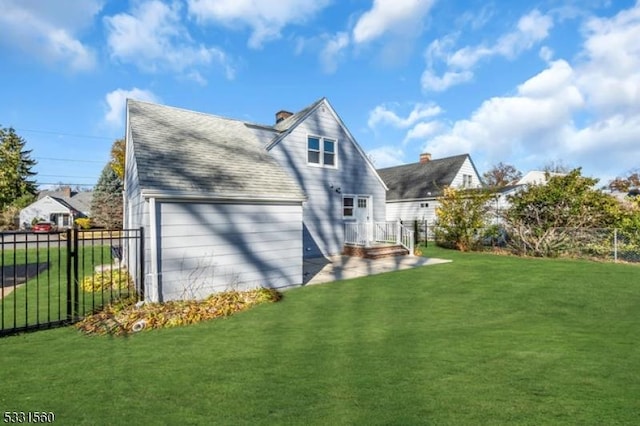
<point x="542" y="217"/>
<point x="501" y="175"/>
<point x="15" y="169"/>
<point x="462" y="218"/>
<point x="106" y="204"/>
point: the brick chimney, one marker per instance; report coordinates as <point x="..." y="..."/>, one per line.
<point x="282" y="114"/>
<point x="66" y="191"/>
<point x="425" y="157"/>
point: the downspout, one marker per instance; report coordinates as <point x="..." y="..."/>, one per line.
<point x="153" y="249"/>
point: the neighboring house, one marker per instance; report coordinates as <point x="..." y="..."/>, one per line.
<point x="537" y="177"/>
<point x="60" y="207"/>
<point x="500" y="201"/>
<point x="230" y="204"/>
<point x="414" y="188"/>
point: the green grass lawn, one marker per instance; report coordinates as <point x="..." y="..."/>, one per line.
<point x="483" y="340"/>
<point x="43" y="298"/>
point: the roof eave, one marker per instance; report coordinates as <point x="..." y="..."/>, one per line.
<point x="216" y="197"/>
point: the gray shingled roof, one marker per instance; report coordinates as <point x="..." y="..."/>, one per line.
<point x="184" y="151"/>
<point x="421" y="180"/>
<point x="80" y="201"/>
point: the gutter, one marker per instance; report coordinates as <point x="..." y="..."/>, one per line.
<point x="218" y="198"/>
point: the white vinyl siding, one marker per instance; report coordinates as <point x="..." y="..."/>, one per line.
<point x="412" y="210"/>
<point x="210" y="247"/>
<point x="323" y="213"/>
<point x="467" y="177"/>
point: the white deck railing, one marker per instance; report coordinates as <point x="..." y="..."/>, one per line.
<point x="385" y="232"/>
<point x="358" y="233"/>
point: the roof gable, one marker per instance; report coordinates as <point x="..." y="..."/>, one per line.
<point x="80" y="201"/>
<point x="289" y="124"/>
<point x="421" y="180"/>
<point x="187" y="152"/>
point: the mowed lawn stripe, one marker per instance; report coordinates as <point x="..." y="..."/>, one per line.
<point x="484" y="339"/>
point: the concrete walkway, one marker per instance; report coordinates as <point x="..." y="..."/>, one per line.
<point x="322" y="270"/>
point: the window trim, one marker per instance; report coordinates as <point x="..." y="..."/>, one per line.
<point x="352" y="207"/>
<point x="322" y="152"/>
<point x="467" y="180"/>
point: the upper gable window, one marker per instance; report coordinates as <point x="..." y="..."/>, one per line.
<point x="321" y="151"/>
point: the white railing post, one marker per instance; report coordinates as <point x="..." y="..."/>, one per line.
<point x="398" y="232"/>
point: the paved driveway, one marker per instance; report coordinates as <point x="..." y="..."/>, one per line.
<point x="322" y="270"/>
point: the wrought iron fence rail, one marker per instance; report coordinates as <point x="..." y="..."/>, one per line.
<point x="53" y="279"/>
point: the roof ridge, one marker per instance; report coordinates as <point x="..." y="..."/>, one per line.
<point x="206" y="114"/>
<point x="437" y="160"/>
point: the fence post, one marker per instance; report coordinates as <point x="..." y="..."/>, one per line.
<point x="426" y="233"/>
<point x="398" y="232"/>
<point x="615" y="244"/>
<point x="76" y="293"/>
<point x="69" y="276"/>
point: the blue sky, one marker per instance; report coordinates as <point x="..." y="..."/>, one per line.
<point x="524" y="83"/>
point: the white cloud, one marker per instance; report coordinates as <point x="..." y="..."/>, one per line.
<point x="386" y="156"/>
<point x="266" y="19"/>
<point x="403" y="17"/>
<point x="541" y="108"/>
<point x="431" y="82"/>
<point x="423" y="130"/>
<point x="530" y="30"/>
<point x="153" y="38"/>
<point x="613" y="88"/>
<point x="50" y="30"/>
<point x="586" y="113"/>
<point x="383" y="115"/>
<point x="333" y="50"/>
<point x="546" y="53"/>
<point x="116" y="102"/>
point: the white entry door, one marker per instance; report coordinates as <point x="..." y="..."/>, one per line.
<point x="364" y="219"/>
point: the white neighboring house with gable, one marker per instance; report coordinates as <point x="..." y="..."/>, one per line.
<point x="414" y="188"/>
<point x="500" y="201"/>
<point x="59" y="207"/>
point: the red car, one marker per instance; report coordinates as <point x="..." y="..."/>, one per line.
<point x="43" y="227"/>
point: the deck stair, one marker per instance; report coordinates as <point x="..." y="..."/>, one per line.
<point x="375" y="251"/>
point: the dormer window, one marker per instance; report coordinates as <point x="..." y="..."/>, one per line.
<point x="321" y="151"/>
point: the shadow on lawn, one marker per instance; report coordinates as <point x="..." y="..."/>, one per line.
<point x="19" y="274"/>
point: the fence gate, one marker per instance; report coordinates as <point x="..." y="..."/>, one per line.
<point x="54" y="279"/>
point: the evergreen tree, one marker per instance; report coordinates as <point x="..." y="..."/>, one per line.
<point x="106" y="204"/>
<point x="15" y="169"/>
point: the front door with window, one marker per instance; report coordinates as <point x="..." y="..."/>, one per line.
<point x="357" y="212"/>
<point x="362" y="214"/>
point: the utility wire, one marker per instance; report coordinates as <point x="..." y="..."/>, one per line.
<point x="50" y="132"/>
<point x="69" y="160"/>
<point x="67" y="176"/>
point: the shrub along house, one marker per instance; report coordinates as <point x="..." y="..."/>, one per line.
<point x="231" y="204"/>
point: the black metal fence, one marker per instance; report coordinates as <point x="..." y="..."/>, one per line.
<point x="55" y="279"/>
